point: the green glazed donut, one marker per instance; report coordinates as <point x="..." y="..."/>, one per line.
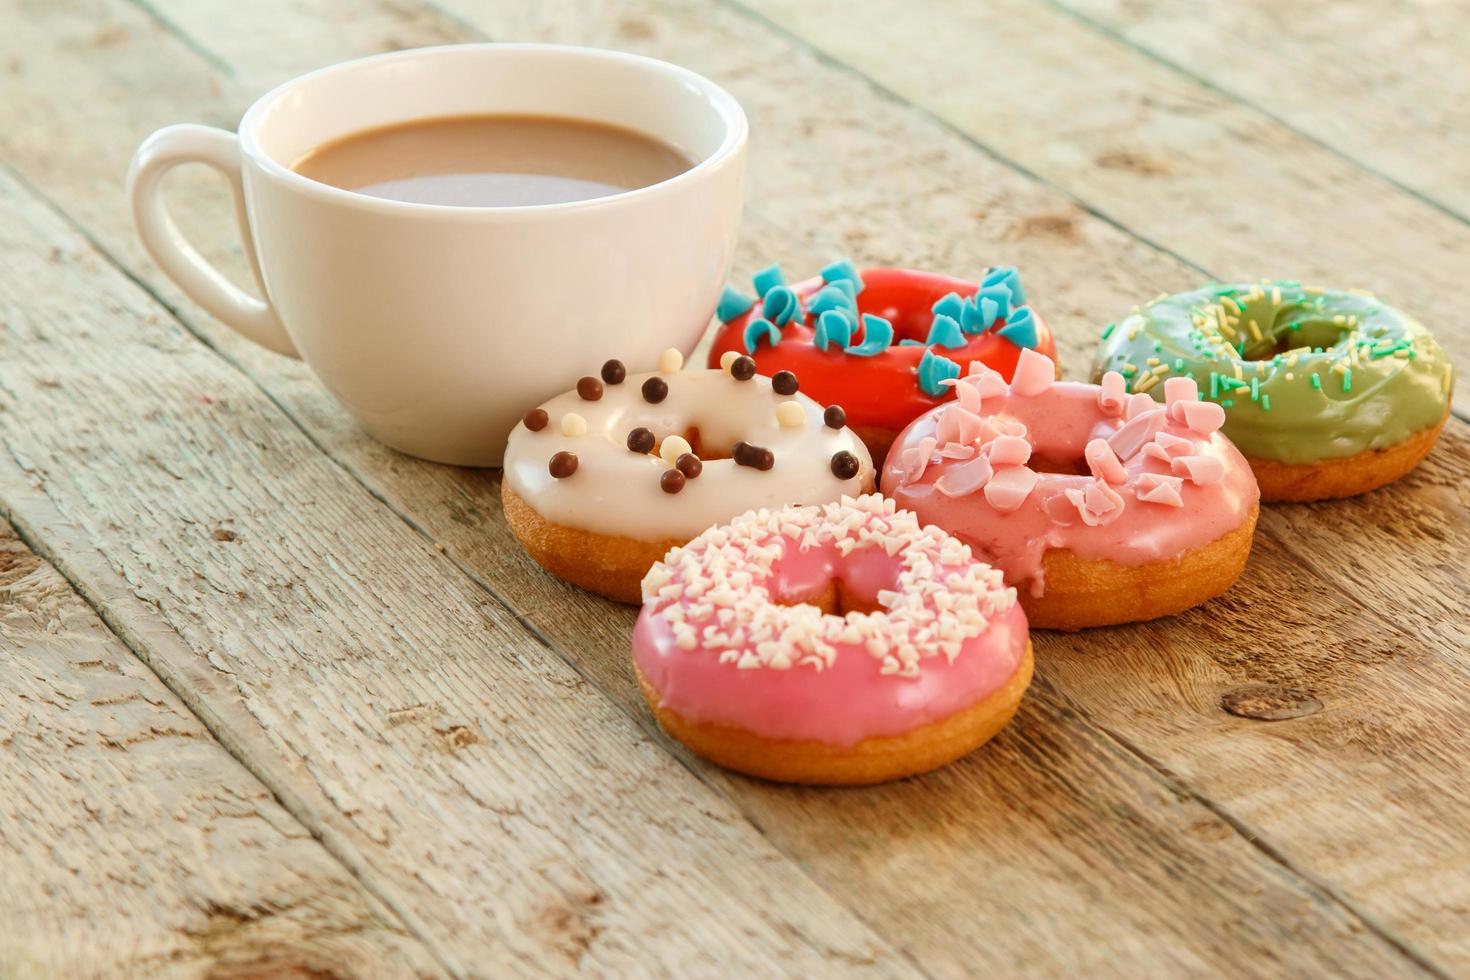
<point x="1306" y="375"/>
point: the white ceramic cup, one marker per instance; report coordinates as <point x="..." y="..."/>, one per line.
<point x="439" y="327"/>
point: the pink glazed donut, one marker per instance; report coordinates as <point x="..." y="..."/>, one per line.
<point x="1102" y="508"/>
<point x="836" y="644"/>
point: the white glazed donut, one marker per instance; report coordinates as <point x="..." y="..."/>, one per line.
<point x="601" y="481"/>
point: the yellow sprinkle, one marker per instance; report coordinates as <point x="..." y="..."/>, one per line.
<point x="1161" y="370"/>
<point x="1339" y="319"/>
<point x="1291" y="360"/>
<point x="1339" y="367"/>
<point x="1151" y="361"/>
<point x="1353" y="321"/>
<point x="1260" y="367"/>
<point x="1129" y="366"/>
<point x="1401" y="353"/>
<point x="1227" y="330"/>
<point x="1276" y="296"/>
<point x="1290" y="376"/>
<point x="1234" y="306"/>
<point x="1255" y="330"/>
<point x="1145" y="383"/>
<point x="1313" y="290"/>
<point x="1361" y="292"/>
<point x="1133" y="334"/>
<point x="1238" y="375"/>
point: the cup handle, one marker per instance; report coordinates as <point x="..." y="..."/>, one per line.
<point x="202" y="282"/>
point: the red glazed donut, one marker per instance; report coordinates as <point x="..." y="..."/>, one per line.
<point x="880" y="342"/>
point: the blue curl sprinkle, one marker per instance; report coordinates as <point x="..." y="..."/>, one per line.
<point x="945" y="332"/>
<point x="833" y="327"/>
<point x="830" y="298"/>
<point x="766" y="278"/>
<point x="758" y="328"/>
<point x="877" y="336"/>
<point x="997" y="295"/>
<point x="1010" y="277"/>
<point x="934" y="368"/>
<point x="1020" y="328"/>
<point x="781" y="306"/>
<point x="972" y="315"/>
<point x="950" y="305"/>
<point x="909" y="342"/>
<point x="732" y="304"/>
<point x="843" y="271"/>
<point x="847" y="286"/>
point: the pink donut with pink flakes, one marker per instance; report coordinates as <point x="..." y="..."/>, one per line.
<point x="837" y="644"/>
<point x="1100" y="507"/>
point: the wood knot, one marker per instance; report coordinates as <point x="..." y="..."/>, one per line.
<point x="1269" y="703"/>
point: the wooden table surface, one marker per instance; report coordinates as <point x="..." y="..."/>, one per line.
<point x="276" y="700"/>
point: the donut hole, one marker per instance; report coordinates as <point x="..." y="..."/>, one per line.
<point x="837" y="598"/>
<point x="1284" y="328"/>
<point x="1071" y="466"/>
<point x="706" y="451"/>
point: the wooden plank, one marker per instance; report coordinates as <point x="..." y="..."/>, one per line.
<point x="922" y="227"/>
<point x="457" y="738"/>
<point x="1176" y="162"/>
<point x="488" y="793"/>
<point x="1382" y="84"/>
<point x="132" y="843"/>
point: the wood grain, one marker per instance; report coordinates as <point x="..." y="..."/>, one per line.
<point x="132" y="843"/>
<point x="478" y="785"/>
<point x="1391" y="77"/>
<point x="1178" y="163"/>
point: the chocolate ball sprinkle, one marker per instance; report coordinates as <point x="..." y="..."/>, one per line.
<point x="563" y="465"/>
<point x="742" y="368"/>
<point x="641" y="440"/>
<point x="834" y="416"/>
<point x="756" y="457"/>
<point x="672" y="481"/>
<point x="590" y="389"/>
<point x="845" y="465"/>
<point x="689" y="465"/>
<point x="536" y="419"/>
<point x="613" y="372"/>
<point x="784" y="383"/>
<point x="655" y="390"/>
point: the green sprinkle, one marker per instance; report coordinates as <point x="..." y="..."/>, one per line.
<point x="1316" y="382"/>
<point x="1347" y="380"/>
<point x="1255" y="389"/>
<point x="1179" y="364"/>
<point x="1158" y="346"/>
<point x="1228" y="403"/>
<point x="1108" y="330"/>
<point x="1265" y="403"/>
<point x="1214" y="385"/>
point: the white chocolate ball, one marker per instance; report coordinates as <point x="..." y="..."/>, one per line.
<point x="670" y="361"/>
<point x="573" y="425"/>
<point x="791" y="415"/>
<point x="673" y="447"/>
<point x="728" y="358"/>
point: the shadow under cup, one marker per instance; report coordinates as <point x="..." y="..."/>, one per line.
<point x="438" y="327"/>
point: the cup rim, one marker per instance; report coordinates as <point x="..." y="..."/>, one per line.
<point x="730" y="111"/>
